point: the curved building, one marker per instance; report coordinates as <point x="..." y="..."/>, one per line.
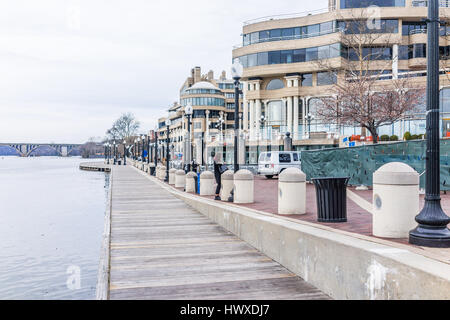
<point x="290" y="61"/>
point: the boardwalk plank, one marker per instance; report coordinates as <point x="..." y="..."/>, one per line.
<point x="163" y="249"/>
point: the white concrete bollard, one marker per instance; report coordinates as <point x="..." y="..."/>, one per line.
<point x="172" y="176"/>
<point x="180" y="180"/>
<point x="227" y="185"/>
<point x="207" y="183"/>
<point x="292" y="192"/>
<point x="163" y="173"/>
<point x="243" y="187"/>
<point x="190" y="182"/>
<point x="395" y="200"/>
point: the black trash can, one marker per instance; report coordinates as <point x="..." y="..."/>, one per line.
<point x="331" y="197"/>
<point x="152" y="171"/>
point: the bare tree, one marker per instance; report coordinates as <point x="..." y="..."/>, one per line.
<point x="126" y="126"/>
<point x="364" y="92"/>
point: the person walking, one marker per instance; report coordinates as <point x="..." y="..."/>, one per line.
<point x="218" y="170"/>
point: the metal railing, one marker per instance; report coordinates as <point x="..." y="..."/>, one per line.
<point x="288" y="16"/>
<point x="424" y="3"/>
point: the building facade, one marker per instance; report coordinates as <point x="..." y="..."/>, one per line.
<point x="212" y="120"/>
<point x="291" y="62"/>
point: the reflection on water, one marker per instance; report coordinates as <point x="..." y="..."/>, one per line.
<point x="51" y="224"/>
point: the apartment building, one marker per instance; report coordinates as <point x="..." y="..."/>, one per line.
<point x="285" y="75"/>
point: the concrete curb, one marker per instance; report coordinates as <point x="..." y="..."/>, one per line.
<point x="339" y="263"/>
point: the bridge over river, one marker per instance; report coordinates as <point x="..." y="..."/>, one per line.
<point x="26" y="149"/>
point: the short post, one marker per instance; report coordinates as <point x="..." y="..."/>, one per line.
<point x="227" y="185"/>
<point x="190" y="182"/>
<point x="292" y="192"/>
<point x="243" y="187"/>
<point x="395" y="200"/>
<point x="207" y="183"/>
<point x="163" y="173"/>
<point x="172" y="176"/>
<point x="180" y="179"/>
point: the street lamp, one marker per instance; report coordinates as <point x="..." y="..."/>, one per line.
<point x="188" y="110"/>
<point x="236" y="71"/>
<point x="261" y="122"/>
<point x="156" y="149"/>
<point x="114" y="150"/>
<point x="168" y="122"/>
<point x="309" y="118"/>
<point x="432" y="230"/>
<point x="125" y="152"/>
<point x="143" y="148"/>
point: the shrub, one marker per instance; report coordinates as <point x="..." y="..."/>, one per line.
<point x="407" y="135"/>
<point x="384" y="137"/>
<point x="415" y="137"/>
<point x="394" y="138"/>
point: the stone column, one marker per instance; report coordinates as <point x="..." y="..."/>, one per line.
<point x="252" y="120"/>
<point x="289" y="114"/>
<point x="257" y="118"/>
<point x="245" y="116"/>
<point x="207" y="123"/>
<point x="296" y="114"/>
<point x="395" y="61"/>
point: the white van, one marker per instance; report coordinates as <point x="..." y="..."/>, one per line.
<point x="274" y="162"/>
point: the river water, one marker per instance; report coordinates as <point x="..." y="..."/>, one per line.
<point x="51" y="225"/>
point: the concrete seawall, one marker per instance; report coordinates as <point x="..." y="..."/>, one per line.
<point x="342" y="265"/>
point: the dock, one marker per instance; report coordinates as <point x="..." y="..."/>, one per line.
<point x="162" y="249"/>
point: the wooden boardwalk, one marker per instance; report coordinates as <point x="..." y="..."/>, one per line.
<point x="161" y="249"/>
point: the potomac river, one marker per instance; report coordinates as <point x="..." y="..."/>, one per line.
<point x="51" y="225"/>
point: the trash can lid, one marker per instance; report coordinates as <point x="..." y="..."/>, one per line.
<point x="180" y="172"/>
<point x="292" y="175"/>
<point x="163" y="168"/>
<point x="228" y="175"/>
<point x="396" y="173"/>
<point x="173" y="170"/>
<point x="191" y="175"/>
<point x="243" y="174"/>
<point x="207" y="175"/>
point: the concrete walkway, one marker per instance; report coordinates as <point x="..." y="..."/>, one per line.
<point x="162" y="249"/>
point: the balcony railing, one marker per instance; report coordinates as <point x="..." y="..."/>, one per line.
<point x="294" y="37"/>
<point x="424" y="3"/>
<point x="288" y="16"/>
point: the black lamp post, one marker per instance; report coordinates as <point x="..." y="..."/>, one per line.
<point x="188" y="111"/>
<point x="167" y="150"/>
<point x="106" y="151"/>
<point x="143" y="148"/>
<point x="432" y="230"/>
<point x="156" y="149"/>
<point x="124" y="152"/>
<point x="148" y="149"/>
<point x="236" y="71"/>
<point x="114" y="152"/>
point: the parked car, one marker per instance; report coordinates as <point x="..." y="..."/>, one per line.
<point x="273" y="163"/>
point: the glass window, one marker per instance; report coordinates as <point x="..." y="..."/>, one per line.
<point x="287" y="33"/>
<point x="254" y="37"/>
<point x="286" y="56"/>
<point x="263" y="58"/>
<point x="275" y="34"/>
<point x="246" y="39"/>
<point x="295" y="156"/>
<point x="323" y="52"/>
<point x="311" y="54"/>
<point x="391" y="26"/>
<point x="326" y="78"/>
<point x="348" y="4"/>
<point x="275" y="84"/>
<point x="299" y="55"/>
<point x="445" y="100"/>
<point x="274" y="57"/>
<point x="420" y="50"/>
<point x="252" y="60"/>
<point x="297" y="33"/>
<point x="335" y="50"/>
<point x="313" y="30"/>
<point x="326" y="27"/>
<point x="307" y="80"/>
<point x="264" y="35"/>
<point x="285" y="158"/>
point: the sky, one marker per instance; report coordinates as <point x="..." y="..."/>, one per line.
<point x="69" y="68"/>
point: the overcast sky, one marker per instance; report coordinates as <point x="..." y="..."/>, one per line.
<point x="69" y="68"/>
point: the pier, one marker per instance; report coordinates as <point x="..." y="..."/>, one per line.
<point x="160" y="248"/>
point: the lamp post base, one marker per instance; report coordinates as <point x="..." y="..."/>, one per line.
<point x="432" y="237"/>
<point x="432" y="230"/>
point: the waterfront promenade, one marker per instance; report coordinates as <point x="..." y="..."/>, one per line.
<point x="162" y="249"/>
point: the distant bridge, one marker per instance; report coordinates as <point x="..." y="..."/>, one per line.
<point x="26" y="149"/>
